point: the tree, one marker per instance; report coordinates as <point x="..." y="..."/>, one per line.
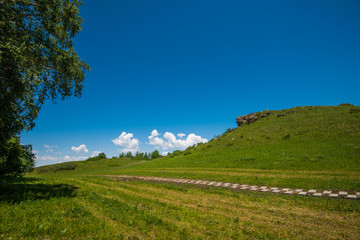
<point x="16" y="158"/>
<point x="102" y="155"/>
<point x="37" y="60"/>
<point x="129" y="154"/>
<point x="155" y="154"/>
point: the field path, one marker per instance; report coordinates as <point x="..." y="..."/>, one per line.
<point x="244" y="187"/>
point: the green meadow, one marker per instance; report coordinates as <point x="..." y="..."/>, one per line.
<point x="315" y="147"/>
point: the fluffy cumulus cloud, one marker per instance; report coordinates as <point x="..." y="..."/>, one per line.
<point x="79" y="149"/>
<point x="164" y="153"/>
<point x="154" y="134"/>
<point x="127" y="141"/>
<point x="169" y="140"/>
<point x="68" y="158"/>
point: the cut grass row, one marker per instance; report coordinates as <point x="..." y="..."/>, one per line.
<point x="102" y="208"/>
<point x="306" y="179"/>
<point x="326" y="180"/>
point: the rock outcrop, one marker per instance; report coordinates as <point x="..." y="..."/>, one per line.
<point x="252" y="117"/>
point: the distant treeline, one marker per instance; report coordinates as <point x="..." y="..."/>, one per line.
<point x="151" y="155"/>
<point x="138" y="155"/>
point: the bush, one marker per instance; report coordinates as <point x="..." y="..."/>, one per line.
<point x="229" y="130"/>
<point x="56" y="168"/>
<point x="190" y="148"/>
<point x="346" y="105"/>
<point x="176" y="152"/>
<point x="187" y="153"/>
<point x="15" y="158"/>
<point x="64" y="167"/>
<point x="98" y="157"/>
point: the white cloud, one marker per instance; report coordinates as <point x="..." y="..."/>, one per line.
<point x="79" y="149"/>
<point x="171" y="142"/>
<point x="95" y="153"/>
<point x="127" y="141"/>
<point x="154" y="133"/>
<point x="164" y="153"/>
<point x="49" y="148"/>
<point x="35" y="152"/>
<point x="68" y="158"/>
<point x="181" y="135"/>
<point x="44" y="158"/>
<point x="156" y="141"/>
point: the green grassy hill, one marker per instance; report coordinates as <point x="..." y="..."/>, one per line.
<point x="306" y="138"/>
<point x="310" y="147"/>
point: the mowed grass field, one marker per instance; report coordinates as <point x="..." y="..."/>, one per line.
<point x="82" y="204"/>
<point x="92" y="207"/>
<point x="309" y="148"/>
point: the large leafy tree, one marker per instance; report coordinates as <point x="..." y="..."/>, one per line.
<point x="37" y="60"/>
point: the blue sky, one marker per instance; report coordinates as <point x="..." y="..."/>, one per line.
<point x="191" y="67"/>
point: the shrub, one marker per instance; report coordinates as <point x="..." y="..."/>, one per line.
<point x="187" y="153"/>
<point x="229" y="130"/>
<point x="346" y="105"/>
<point x="190" y="148"/>
<point x="15" y="158"/>
<point x="56" y="168"/>
<point x="64" y="167"/>
<point x="176" y="152"/>
<point x="98" y="157"/>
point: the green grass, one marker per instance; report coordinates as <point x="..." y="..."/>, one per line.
<point x="307" y="138"/>
<point x="310" y="147"/>
<point x="97" y="208"/>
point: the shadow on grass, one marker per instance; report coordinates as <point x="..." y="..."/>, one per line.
<point x="16" y="190"/>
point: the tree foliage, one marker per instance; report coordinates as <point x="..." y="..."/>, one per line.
<point x="155" y="154"/>
<point x="15" y="158"/>
<point x="37" y="59"/>
<point x="102" y="155"/>
<point x="98" y="157"/>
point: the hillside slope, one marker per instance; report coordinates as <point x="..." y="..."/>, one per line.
<point x="306" y="138"/>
